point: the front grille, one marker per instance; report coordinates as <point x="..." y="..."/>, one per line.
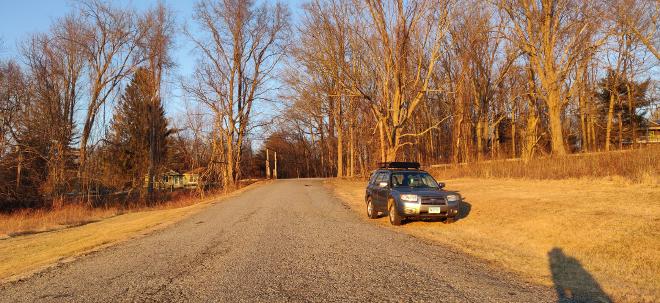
<point x="434" y="201"/>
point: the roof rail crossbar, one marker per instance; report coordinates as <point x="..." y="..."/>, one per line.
<point x="399" y="165"/>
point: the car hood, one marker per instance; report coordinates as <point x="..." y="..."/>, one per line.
<point x="425" y="192"/>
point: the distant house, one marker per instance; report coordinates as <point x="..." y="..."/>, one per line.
<point x="650" y="134"/>
<point x="191" y="178"/>
<point x="174" y="180"/>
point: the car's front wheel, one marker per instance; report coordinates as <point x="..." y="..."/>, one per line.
<point x="371" y="212"/>
<point x="395" y="218"/>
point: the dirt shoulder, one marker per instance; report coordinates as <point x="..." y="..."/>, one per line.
<point x="23" y="255"/>
<point x="580" y="235"/>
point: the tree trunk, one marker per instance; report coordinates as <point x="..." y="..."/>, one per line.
<point x="513" y="134"/>
<point x="392" y="145"/>
<point x="583" y="129"/>
<point x="554" y="113"/>
<point x="631" y="108"/>
<point x="610" y="116"/>
<point x="480" y="148"/>
<point x="352" y="151"/>
<point x="620" y="117"/>
<point x="229" y="165"/>
<point x="592" y="131"/>
<point x="275" y="168"/>
<point x="381" y="136"/>
<point x="19" y="167"/>
<point x="82" y="157"/>
<point x="529" y="145"/>
<point x="340" y="153"/>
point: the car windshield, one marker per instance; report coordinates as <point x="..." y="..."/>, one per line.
<point x="413" y="179"/>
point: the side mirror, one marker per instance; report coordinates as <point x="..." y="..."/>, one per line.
<point x="441" y="185"/>
<point x="382" y="184"/>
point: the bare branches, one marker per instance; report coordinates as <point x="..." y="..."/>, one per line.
<point x="109" y="41"/>
<point x="240" y="46"/>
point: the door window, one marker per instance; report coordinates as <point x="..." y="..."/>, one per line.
<point x="382" y="177"/>
<point x="373" y="178"/>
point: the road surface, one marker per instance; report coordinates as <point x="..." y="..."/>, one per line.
<point x="287" y="240"/>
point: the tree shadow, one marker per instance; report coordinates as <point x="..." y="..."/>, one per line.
<point x="572" y="282"/>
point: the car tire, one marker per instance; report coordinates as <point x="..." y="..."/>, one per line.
<point x="393" y="214"/>
<point x="371" y="212"/>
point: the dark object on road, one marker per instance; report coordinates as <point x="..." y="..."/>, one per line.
<point x="403" y="191"/>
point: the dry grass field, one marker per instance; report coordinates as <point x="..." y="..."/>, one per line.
<point x="635" y="166"/>
<point x="578" y="234"/>
<point x="44" y="238"/>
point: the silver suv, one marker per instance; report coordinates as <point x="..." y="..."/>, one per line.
<point x="403" y="191"/>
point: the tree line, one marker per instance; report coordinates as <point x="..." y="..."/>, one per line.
<point x="82" y="111"/>
<point x="348" y="83"/>
<point x="464" y="81"/>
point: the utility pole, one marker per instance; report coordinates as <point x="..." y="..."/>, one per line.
<point x="275" y="171"/>
<point x="267" y="165"/>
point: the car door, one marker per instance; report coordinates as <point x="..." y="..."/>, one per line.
<point x="372" y="186"/>
<point x="382" y="192"/>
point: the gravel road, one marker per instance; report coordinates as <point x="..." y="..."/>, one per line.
<point x="287" y="240"/>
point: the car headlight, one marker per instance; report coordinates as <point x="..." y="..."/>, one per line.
<point x="452" y="198"/>
<point x="409" y="198"/>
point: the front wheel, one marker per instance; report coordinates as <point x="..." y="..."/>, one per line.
<point x="371" y="212"/>
<point x="395" y="218"/>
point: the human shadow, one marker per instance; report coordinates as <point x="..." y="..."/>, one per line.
<point x="571" y="281"/>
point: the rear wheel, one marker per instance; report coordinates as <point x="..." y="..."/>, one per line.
<point x="395" y="218"/>
<point x="371" y="212"/>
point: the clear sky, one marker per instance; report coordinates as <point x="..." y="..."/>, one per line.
<point x="20" y="18"/>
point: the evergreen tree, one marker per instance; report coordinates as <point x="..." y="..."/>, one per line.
<point x="629" y="106"/>
<point x="137" y="114"/>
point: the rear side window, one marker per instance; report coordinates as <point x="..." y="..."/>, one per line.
<point x="382" y="177"/>
<point x="372" y="180"/>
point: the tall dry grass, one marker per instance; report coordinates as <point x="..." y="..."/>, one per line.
<point x="30" y="221"/>
<point x="636" y="166"/>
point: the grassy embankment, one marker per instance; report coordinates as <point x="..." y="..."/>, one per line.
<point x="596" y="230"/>
<point x="31" y="221"/>
<point x="42" y="238"/>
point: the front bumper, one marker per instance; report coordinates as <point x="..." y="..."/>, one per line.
<point x="418" y="210"/>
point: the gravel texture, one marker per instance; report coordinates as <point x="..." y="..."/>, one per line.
<point x="287" y="240"/>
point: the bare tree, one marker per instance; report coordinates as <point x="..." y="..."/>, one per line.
<point x="109" y="42"/>
<point x="553" y="34"/>
<point x="55" y="64"/>
<point x="408" y="38"/>
<point x="240" y="47"/>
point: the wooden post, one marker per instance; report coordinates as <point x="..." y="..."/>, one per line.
<point x="267" y="165"/>
<point x="275" y="170"/>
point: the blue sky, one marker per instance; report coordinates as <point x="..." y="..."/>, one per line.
<point x="20" y="18"/>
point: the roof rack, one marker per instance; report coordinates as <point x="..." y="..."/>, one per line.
<point x="399" y="165"/>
